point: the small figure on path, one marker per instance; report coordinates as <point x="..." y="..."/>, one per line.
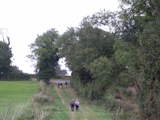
<point x="66" y="83"/>
<point x="58" y="84"/>
<point x="72" y="104"/>
<point x="77" y="105"/>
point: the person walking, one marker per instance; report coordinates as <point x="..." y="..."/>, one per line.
<point x="66" y="83"/>
<point x="58" y="84"/>
<point x="72" y="103"/>
<point x="77" y="105"/>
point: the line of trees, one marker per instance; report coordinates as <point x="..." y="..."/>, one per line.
<point x="45" y="53"/>
<point x="127" y="55"/>
<point x="7" y="71"/>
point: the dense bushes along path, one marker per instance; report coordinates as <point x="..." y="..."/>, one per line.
<point x="86" y="112"/>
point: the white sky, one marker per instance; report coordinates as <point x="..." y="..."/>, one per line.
<point x="24" y="19"/>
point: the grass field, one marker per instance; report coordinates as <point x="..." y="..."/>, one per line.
<point x="15" y="93"/>
<point x="19" y="94"/>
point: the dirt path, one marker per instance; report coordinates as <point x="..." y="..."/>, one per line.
<point x="85" y="112"/>
<point x="64" y="100"/>
<point x="66" y="94"/>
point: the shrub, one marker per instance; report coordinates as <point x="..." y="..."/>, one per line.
<point x="38" y="109"/>
<point x="110" y="102"/>
<point x="33" y="112"/>
<point x="43" y="96"/>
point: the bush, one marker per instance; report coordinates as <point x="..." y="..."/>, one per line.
<point x="43" y="96"/>
<point x="43" y="99"/>
<point x="33" y="112"/>
<point x="110" y="102"/>
<point x="123" y="109"/>
<point x="38" y="109"/>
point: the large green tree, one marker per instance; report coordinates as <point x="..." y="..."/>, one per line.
<point x="139" y="34"/>
<point x="46" y="55"/>
<point x="84" y="47"/>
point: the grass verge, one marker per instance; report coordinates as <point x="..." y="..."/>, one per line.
<point x="101" y="113"/>
<point x="46" y="105"/>
<point x="60" y="110"/>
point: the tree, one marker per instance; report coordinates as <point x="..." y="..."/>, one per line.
<point x="67" y="47"/>
<point x="5" y="59"/>
<point x="139" y="32"/>
<point x="46" y="54"/>
<point x="5" y="56"/>
<point x="102" y="70"/>
<point x="82" y="46"/>
<point x="150" y="70"/>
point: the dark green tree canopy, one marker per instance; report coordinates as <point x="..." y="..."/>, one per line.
<point x="83" y="45"/>
<point x="128" y="55"/>
<point x="5" y="58"/>
<point x="46" y="55"/>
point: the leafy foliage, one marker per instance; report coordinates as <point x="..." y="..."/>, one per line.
<point x="144" y="68"/>
<point x="5" y="59"/>
<point x="46" y="54"/>
<point x="88" y="50"/>
<point x="126" y="56"/>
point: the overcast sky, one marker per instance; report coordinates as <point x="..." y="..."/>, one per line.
<point x="24" y="19"/>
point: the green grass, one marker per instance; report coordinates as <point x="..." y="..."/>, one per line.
<point x="18" y="94"/>
<point x="13" y="93"/>
<point x="101" y="113"/>
<point x="59" y="111"/>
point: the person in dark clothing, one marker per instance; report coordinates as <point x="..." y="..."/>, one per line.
<point x="66" y="84"/>
<point x="72" y="104"/>
<point x="58" y="84"/>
